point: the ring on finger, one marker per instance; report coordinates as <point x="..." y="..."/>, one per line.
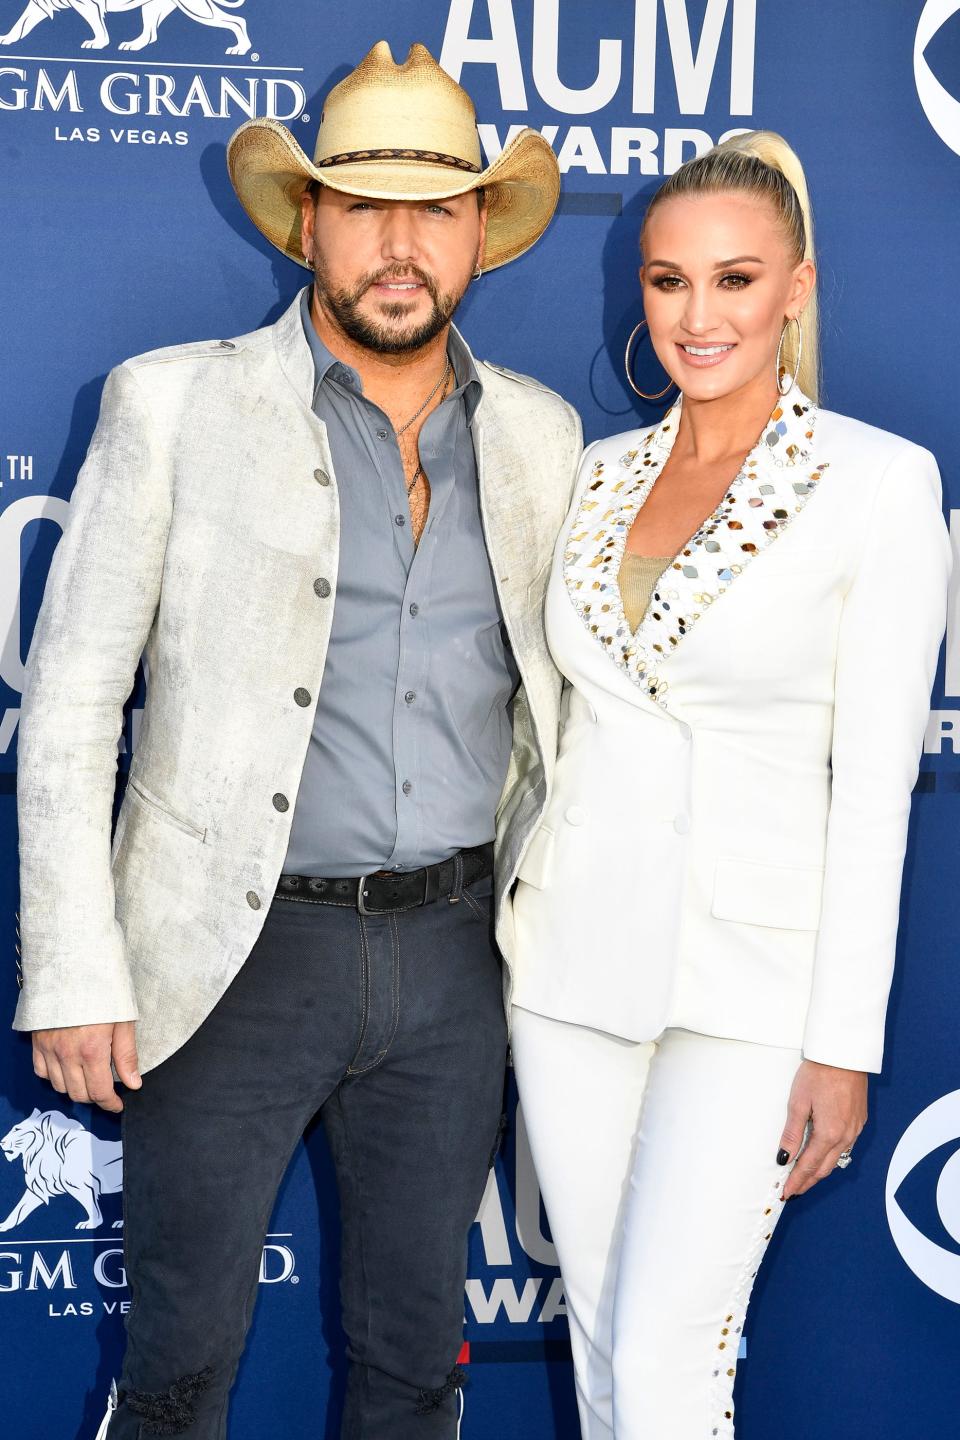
<point x="844" y="1159"/>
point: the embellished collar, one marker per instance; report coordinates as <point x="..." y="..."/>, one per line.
<point x="787" y="437"/>
<point x="774" y="483"/>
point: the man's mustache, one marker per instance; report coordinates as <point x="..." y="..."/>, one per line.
<point x="398" y="274"/>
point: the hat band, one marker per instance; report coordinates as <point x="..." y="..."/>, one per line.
<point x="428" y="157"/>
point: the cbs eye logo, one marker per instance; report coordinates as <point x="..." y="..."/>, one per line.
<point x="936" y="1266"/>
<point x="940" y="107"/>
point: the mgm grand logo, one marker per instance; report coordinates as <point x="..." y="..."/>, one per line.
<point x="58" y="1161"/>
<point x="43" y="83"/>
<point x="152" y="15"/>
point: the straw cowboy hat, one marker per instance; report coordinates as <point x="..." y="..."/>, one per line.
<point x="396" y="132"/>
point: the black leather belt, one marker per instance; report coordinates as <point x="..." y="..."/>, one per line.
<point x="387" y="890"/>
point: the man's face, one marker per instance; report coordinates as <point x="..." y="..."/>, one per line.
<point x="390" y="274"/>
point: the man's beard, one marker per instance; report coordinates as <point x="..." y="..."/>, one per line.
<point x="377" y="335"/>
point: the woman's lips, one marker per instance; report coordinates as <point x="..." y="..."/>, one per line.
<point x="702" y="357"/>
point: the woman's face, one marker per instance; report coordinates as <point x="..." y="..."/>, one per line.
<point x="718" y="282"/>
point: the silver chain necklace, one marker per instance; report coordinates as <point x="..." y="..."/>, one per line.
<point x="441" y="382"/>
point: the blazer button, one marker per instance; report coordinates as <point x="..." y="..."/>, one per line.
<point x="281" y="803"/>
<point x="575" y="815"/>
<point x="321" y="477"/>
<point x="323" y="588"/>
<point x="253" y="900"/>
<point x="302" y="697"/>
<point x="681" y="824"/>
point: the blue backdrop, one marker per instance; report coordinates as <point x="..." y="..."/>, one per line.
<point x="121" y="233"/>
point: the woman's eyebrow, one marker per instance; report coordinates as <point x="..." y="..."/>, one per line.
<point x="720" y="264"/>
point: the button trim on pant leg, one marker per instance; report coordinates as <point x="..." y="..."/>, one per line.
<point x="721" y="1402"/>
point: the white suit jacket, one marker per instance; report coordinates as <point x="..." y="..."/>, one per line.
<point x="199" y="535"/>
<point x="723" y="842"/>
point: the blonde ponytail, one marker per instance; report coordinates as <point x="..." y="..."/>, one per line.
<point x="763" y="164"/>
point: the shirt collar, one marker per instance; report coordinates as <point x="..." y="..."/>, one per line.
<point x="328" y="367"/>
<point x="465" y="372"/>
<point x="325" y="363"/>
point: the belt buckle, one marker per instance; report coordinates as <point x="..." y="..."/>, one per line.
<point x="361" y="900"/>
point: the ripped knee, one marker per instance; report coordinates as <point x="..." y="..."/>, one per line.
<point x="430" y="1401"/>
<point x="168" y="1412"/>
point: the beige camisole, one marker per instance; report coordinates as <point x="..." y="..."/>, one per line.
<point x="638" y="575"/>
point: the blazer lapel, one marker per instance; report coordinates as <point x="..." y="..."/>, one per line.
<point x="774" y="484"/>
<point x="500" y="476"/>
<point x="293" y="351"/>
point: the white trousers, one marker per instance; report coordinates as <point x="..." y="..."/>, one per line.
<point x="657" y="1164"/>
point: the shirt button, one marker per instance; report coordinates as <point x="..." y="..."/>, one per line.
<point x="253" y="900"/>
<point x="302" y="697"/>
<point x="407" y="787"/>
<point x="382" y="434"/>
<point x="410" y="696"/>
<point x="685" y="732"/>
<point x="682" y="824"/>
<point x="400" y="520"/>
<point x="322" y="588"/>
<point x="321" y="477"/>
<point x="414" y="609"/>
<point x="575" y="815"/>
<point x="281" y="803"/>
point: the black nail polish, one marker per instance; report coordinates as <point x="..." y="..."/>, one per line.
<point x="783" y="1156"/>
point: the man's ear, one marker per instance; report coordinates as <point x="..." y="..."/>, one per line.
<point x="482" y="246"/>
<point x="308" y="211"/>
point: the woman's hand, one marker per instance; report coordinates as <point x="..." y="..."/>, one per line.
<point x="835" y="1104"/>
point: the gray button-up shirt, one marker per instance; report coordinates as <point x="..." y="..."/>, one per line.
<point x="412" y="735"/>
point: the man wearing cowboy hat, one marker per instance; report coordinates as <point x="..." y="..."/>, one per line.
<point x="330" y="539"/>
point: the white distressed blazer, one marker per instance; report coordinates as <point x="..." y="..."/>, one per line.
<point x="723" y="841"/>
<point x="204" y="532"/>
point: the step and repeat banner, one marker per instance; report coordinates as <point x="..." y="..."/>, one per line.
<point x="120" y="233"/>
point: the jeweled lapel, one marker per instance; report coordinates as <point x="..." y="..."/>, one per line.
<point x="775" y="482"/>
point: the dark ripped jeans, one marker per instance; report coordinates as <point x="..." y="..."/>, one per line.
<point x="391" y="1026"/>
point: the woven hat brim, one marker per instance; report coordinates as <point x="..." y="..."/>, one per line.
<point x="269" y="171"/>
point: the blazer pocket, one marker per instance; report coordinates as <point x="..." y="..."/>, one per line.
<point x="784" y="897"/>
<point x="162" y="810"/>
<point x="538" y="861"/>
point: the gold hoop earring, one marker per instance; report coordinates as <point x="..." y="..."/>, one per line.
<point x="791" y="320"/>
<point x="626" y="360"/>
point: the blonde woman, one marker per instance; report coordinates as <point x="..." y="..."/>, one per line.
<point x="747" y="602"/>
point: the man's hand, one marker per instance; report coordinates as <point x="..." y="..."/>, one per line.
<point x="834" y="1103"/>
<point x="76" y="1061"/>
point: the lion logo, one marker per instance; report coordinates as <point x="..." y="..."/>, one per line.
<point x="153" y="13"/>
<point x="61" y="1158"/>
